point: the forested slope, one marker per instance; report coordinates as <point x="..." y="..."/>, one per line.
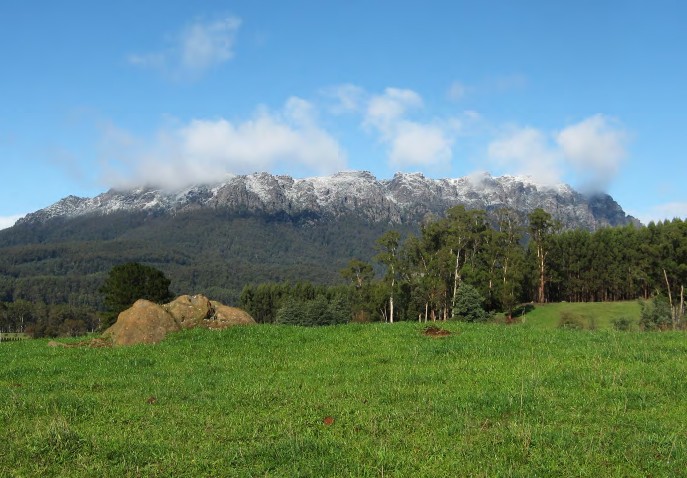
<point x="207" y="251"/>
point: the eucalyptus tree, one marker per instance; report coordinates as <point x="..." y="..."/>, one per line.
<point x="388" y="254"/>
<point x="465" y="233"/>
<point x="542" y="228"/>
<point x="359" y="275"/>
<point x="509" y="252"/>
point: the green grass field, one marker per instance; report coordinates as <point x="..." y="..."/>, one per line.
<point x="599" y="315"/>
<point x="354" y="400"/>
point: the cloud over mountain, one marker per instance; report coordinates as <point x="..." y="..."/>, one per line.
<point x="592" y="150"/>
<point x="595" y="148"/>
<point x="205" y="150"/>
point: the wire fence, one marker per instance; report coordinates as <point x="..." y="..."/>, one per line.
<point x="12" y="337"/>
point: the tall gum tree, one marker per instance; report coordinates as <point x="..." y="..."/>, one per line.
<point x="388" y="254"/>
<point x="465" y="231"/>
<point x="542" y="228"/>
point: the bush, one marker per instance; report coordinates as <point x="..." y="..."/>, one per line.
<point x="468" y="306"/>
<point x="622" y="323"/>
<point x="571" y="321"/>
<point x="656" y="314"/>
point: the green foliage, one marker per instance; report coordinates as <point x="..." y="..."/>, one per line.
<point x="317" y="311"/>
<point x="214" y="252"/>
<point x="217" y="253"/>
<point x="47" y="320"/>
<point x="571" y="321"/>
<point x="622" y="324"/>
<point x="468" y="306"/>
<point x="130" y="282"/>
<point x="656" y="314"/>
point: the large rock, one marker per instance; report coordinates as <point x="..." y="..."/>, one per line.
<point x="144" y="323"/>
<point x="147" y="322"/>
<point x="226" y="316"/>
<point x="190" y="311"/>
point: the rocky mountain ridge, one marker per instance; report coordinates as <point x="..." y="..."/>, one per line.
<point x="405" y="198"/>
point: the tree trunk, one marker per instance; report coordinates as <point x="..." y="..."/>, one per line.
<point x="391" y="308"/>
<point x="682" y="305"/>
<point x="673" y="312"/>
<point x="391" y="296"/>
<point x="456" y="281"/>
<point x="542" y="279"/>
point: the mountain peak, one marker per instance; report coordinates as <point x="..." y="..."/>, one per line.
<point x="405" y="197"/>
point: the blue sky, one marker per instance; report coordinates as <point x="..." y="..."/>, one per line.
<point x="96" y="95"/>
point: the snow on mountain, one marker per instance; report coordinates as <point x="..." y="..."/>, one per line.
<point x="405" y="197"/>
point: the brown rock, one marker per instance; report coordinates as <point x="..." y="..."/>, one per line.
<point x="145" y="322"/>
<point x="226" y="316"/>
<point x="190" y="311"/>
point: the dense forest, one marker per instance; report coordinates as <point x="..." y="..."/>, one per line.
<point x="400" y="275"/>
<point x="212" y="252"/>
<point x="507" y="263"/>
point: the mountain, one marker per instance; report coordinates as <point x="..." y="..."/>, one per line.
<point x="405" y="198"/>
<point x="213" y="239"/>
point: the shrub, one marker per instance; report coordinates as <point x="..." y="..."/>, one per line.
<point x="570" y="320"/>
<point x="622" y="324"/>
<point x="656" y="314"/>
<point x="468" y="306"/>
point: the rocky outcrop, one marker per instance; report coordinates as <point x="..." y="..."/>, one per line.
<point x="149" y="323"/>
<point x="145" y="322"/>
<point x="405" y="198"/>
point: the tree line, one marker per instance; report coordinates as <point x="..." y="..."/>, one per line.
<point x="463" y="266"/>
<point x="501" y="264"/>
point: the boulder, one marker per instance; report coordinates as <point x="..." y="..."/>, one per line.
<point x="226" y="316"/>
<point x="190" y="311"/>
<point x="147" y="322"/>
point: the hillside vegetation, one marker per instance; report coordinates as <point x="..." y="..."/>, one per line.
<point x="374" y="274"/>
<point x="350" y="400"/>
<point x="591" y="315"/>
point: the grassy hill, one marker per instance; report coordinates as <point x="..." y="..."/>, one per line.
<point x="590" y="315"/>
<point x="353" y="400"/>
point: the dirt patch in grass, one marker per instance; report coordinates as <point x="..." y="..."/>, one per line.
<point x="328" y="421"/>
<point x="433" y="331"/>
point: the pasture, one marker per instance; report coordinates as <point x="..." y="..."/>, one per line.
<point x="358" y="400"/>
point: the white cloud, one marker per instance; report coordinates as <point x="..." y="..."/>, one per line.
<point x="662" y="212"/>
<point x="205" y="150"/>
<point x="526" y="151"/>
<point x="384" y="111"/>
<point x="416" y="144"/>
<point x="411" y="143"/>
<point x="590" y="151"/>
<point x="8" y="221"/>
<point x="197" y="48"/>
<point x="347" y="98"/>
<point x="595" y="148"/>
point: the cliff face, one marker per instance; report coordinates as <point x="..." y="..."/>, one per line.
<point x="405" y="198"/>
